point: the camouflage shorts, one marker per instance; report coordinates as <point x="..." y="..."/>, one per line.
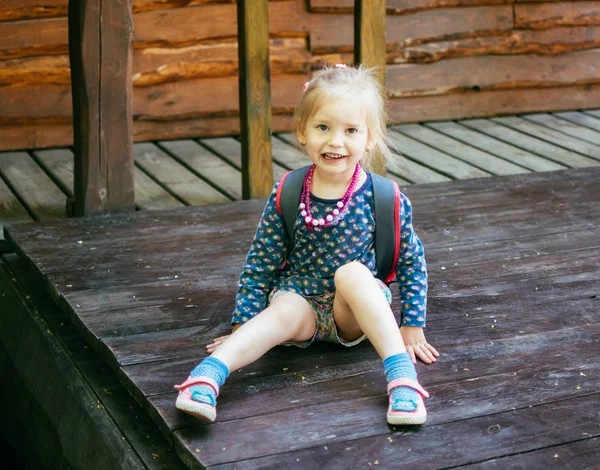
<point x="326" y="330"/>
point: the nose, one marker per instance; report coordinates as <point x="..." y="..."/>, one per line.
<point x="336" y="139"/>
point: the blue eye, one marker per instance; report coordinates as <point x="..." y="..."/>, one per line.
<point x="322" y="127"/>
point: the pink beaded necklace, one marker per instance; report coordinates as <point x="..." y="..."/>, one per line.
<point x="338" y="212"/>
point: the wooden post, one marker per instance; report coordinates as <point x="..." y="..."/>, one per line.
<point x="255" y="98"/>
<point x="370" y="47"/>
<point x="101" y="51"/>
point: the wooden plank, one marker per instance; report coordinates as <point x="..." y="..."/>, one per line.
<point x="526" y="430"/>
<point x="580" y="118"/>
<point x="435" y="159"/>
<point x="149" y="195"/>
<point x="550" y="135"/>
<point x="12" y="10"/>
<point x="540" y="42"/>
<point x="176" y="178"/>
<point x="202" y="162"/>
<point x="566" y="127"/>
<point x="255" y="98"/>
<point x="100" y="56"/>
<point x="548" y="15"/>
<point x="410" y="170"/>
<point x="492" y="103"/>
<point x="495" y="147"/>
<point x="572" y="456"/>
<point x="370" y="49"/>
<point x="400" y="6"/>
<point x="59" y="164"/>
<point x="230" y="150"/>
<point x="529" y="143"/>
<point x="335" y="33"/>
<point x="593" y="112"/>
<point x="483" y="160"/>
<point x="43" y="199"/>
<point x="11" y="212"/>
<point x="493" y="72"/>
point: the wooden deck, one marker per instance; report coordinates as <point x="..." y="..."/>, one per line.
<point x="514" y="265"/>
<point x="35" y="185"/>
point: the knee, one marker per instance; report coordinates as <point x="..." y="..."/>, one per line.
<point x="288" y="313"/>
<point x="351" y="274"/>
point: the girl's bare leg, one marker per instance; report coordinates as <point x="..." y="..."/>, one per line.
<point x="361" y="307"/>
<point x="288" y="318"/>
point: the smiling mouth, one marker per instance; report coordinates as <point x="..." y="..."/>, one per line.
<point x="333" y="156"/>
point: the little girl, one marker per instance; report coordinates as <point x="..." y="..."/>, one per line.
<point x="325" y="288"/>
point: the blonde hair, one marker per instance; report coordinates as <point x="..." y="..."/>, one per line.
<point x="356" y="83"/>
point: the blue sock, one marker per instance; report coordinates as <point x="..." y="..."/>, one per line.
<point x="399" y="366"/>
<point x="213" y="368"/>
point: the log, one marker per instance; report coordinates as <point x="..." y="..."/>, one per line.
<point x="398" y="7"/>
<point x="100" y="42"/>
<point x="156" y="65"/>
<point x="494" y="72"/>
<point x="370" y="49"/>
<point x="175" y="28"/>
<point x="255" y="98"/>
<point x="539" y="42"/>
<point x="557" y="14"/>
<point x="331" y="33"/>
<point x="164" y="102"/>
<point x="12" y="10"/>
<point x="492" y="103"/>
<point x="36" y="133"/>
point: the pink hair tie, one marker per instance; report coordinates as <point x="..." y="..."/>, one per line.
<point x="305" y="86"/>
<point x="341" y="66"/>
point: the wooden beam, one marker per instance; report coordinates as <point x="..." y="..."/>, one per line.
<point x="100" y="51"/>
<point x="370" y="46"/>
<point x="255" y="98"/>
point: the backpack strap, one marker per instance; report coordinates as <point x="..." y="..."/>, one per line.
<point x="386" y="196"/>
<point x="287" y="201"/>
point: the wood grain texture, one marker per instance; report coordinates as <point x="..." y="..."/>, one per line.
<point x="494" y="72"/>
<point x="492" y="103"/>
<point x="255" y="98"/>
<point x="43" y="198"/>
<point x="334" y="33"/>
<point x="499" y="249"/>
<point x="370" y="50"/>
<point x="556" y="14"/>
<point x="539" y="42"/>
<point x="100" y="45"/>
<point x="535" y="144"/>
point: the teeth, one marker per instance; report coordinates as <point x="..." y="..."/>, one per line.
<point x="332" y="156"/>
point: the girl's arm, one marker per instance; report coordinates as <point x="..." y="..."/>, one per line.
<point x="411" y="274"/>
<point x="263" y="261"/>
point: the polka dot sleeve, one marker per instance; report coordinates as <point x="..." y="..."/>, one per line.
<point x="264" y="259"/>
<point x="411" y="271"/>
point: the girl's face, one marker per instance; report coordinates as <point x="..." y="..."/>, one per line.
<point x="336" y="138"/>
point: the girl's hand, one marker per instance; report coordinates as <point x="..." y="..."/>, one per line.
<point x="212" y="347"/>
<point x="417" y="345"/>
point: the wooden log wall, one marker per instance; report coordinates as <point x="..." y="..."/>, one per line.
<point x="447" y="59"/>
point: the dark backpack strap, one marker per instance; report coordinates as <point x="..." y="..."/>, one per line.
<point x="288" y="199"/>
<point x="386" y="196"/>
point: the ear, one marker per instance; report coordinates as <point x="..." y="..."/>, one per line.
<point x="370" y="144"/>
<point x="301" y="138"/>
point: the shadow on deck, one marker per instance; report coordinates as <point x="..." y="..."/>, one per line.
<point x="514" y="266"/>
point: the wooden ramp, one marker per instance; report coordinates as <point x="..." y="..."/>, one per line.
<point x="514" y="305"/>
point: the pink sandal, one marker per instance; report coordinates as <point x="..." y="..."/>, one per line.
<point x="417" y="416"/>
<point x="185" y="403"/>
